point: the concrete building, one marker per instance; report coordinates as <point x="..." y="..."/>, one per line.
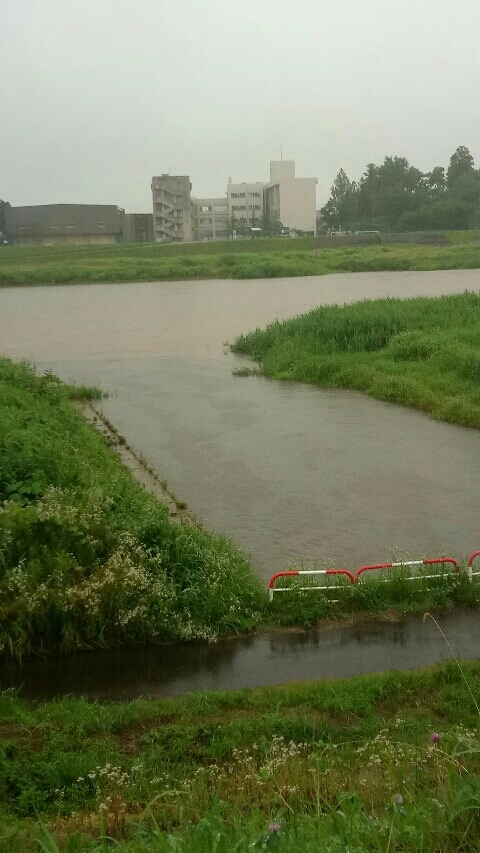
<point x="245" y="202"/>
<point x="138" y="228"/>
<point x="51" y="224"/>
<point x="210" y="218"/>
<point x="172" y="208"/>
<point x="290" y="200"/>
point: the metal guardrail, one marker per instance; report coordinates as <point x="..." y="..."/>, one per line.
<point x="354" y="578"/>
<point x="272" y="588"/>
<point x="470" y="561"/>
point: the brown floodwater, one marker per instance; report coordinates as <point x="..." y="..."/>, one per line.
<point x="289" y="472"/>
<point x="277" y="657"/>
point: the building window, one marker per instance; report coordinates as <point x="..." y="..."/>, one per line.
<point x="241" y="195"/>
<point x="205" y="208"/>
<point x="100" y="225"/>
<point x="70" y="225"/>
<point x="221" y="208"/>
<point x="54" y="226"/>
<point x="234" y="195"/>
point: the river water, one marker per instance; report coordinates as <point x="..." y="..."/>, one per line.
<point x="276" y="657"/>
<point x="289" y="472"/>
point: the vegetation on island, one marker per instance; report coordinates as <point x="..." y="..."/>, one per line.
<point x="380" y="763"/>
<point x="399" y="197"/>
<point x="230" y="259"/>
<point x="422" y="352"/>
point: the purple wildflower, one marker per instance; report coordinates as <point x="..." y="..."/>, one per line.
<point x="435" y="737"/>
<point x="398" y="799"/>
<point x="274" y="826"/>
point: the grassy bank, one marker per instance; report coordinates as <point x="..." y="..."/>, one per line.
<point x="87" y="557"/>
<point x="382" y="763"/>
<point x="269" y="258"/>
<point x="420" y="352"/>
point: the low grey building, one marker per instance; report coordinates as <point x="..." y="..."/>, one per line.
<point x="51" y="224"/>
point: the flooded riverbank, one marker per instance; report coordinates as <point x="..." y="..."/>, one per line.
<point x="289" y="472"/>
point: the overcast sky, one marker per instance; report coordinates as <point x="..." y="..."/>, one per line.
<point x="99" y="95"/>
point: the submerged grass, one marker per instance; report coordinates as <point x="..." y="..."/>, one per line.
<point x="249" y="259"/>
<point x="420" y="352"/>
<point x="379" y="763"/>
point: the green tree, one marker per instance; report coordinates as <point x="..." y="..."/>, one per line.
<point x="445" y="214"/>
<point x="340" y="211"/>
<point x="461" y="165"/>
<point x="388" y="191"/>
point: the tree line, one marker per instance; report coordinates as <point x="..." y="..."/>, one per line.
<point x="398" y="197"/>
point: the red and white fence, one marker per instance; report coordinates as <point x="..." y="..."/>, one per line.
<point x="446" y="562"/>
<point x="470" y="562"/>
<point x="272" y="588"/>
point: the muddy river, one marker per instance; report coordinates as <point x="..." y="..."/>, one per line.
<point x="289" y="472"/>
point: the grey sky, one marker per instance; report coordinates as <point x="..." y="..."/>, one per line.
<point x="99" y="95"/>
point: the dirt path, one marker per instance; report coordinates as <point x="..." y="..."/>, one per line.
<point x="140" y="469"/>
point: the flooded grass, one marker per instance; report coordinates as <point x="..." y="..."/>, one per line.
<point x="420" y="352"/>
<point x="375" y="763"/>
<point x="248" y="259"/>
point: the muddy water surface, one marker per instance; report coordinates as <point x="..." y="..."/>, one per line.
<point x="290" y="472"/>
<point x="277" y="657"/>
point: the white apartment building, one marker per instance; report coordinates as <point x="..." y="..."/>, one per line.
<point x="290" y="200"/>
<point x="285" y="199"/>
<point x="245" y="202"/>
<point x="210" y="218"/>
<point x="172" y="208"/>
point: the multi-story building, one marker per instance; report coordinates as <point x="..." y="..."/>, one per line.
<point x="285" y="199"/>
<point x="245" y="203"/>
<point x="172" y="208"/>
<point x="290" y="200"/>
<point x="210" y="218"/>
<point x="64" y="223"/>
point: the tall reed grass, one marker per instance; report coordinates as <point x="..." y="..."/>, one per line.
<point x="419" y="352"/>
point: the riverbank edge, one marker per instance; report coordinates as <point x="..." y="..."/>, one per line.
<point x="138" y="466"/>
<point x="393" y="741"/>
<point x="225" y="265"/>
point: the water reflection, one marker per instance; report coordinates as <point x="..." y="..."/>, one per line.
<point x="266" y="659"/>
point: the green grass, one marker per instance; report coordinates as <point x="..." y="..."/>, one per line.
<point x="87" y="557"/>
<point x="241" y="259"/>
<point x="420" y="352"/>
<point x="339" y="765"/>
